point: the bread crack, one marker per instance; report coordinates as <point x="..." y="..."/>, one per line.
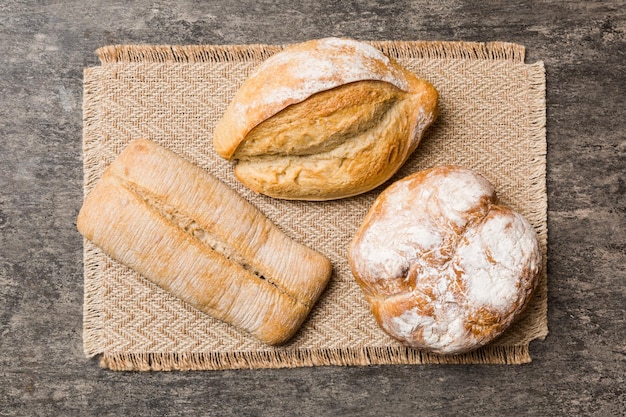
<point x="322" y="122"/>
<point x="201" y="233"/>
<point x="340" y="145"/>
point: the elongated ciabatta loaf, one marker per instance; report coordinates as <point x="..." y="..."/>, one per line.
<point x="324" y="119"/>
<point x="192" y="235"/>
<point x="443" y="266"/>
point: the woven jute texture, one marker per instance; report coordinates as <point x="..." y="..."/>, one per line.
<point x="492" y="119"/>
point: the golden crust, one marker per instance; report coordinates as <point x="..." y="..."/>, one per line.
<point x="324" y="119"/>
<point x="192" y="235"/>
<point x="443" y="266"/>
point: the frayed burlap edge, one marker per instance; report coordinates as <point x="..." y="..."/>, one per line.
<point x="492" y="355"/>
<point x="538" y="144"/>
<point x="158" y="361"/>
<point x="224" y="53"/>
<point x="93" y="322"/>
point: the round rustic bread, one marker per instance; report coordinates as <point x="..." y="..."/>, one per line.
<point x="444" y="267"/>
<point x="324" y="119"/>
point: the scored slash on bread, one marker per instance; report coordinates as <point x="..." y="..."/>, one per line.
<point x="324" y="119"/>
<point x="189" y="233"/>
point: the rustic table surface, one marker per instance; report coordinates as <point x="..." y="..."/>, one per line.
<point x="578" y="370"/>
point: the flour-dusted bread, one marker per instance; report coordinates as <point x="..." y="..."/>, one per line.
<point x="324" y="119"/>
<point x="444" y="267"/>
<point x="192" y="235"/>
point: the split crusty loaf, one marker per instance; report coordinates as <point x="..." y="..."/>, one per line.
<point x="443" y="266"/>
<point x="324" y="119"/>
<point x="192" y="235"/>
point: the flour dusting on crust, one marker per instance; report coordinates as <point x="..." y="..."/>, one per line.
<point x="306" y="69"/>
<point x="330" y="63"/>
<point x="445" y="268"/>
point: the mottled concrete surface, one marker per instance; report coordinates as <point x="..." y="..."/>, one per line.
<point x="578" y="370"/>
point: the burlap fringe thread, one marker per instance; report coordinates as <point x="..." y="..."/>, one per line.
<point x="93" y="291"/>
<point x="155" y="361"/>
<point x="218" y="53"/>
<point x="303" y="358"/>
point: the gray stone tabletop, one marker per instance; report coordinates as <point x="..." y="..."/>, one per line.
<point x="579" y="369"/>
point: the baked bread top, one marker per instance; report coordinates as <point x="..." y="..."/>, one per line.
<point x="444" y="267"/>
<point x="192" y="235"/>
<point x="324" y="119"/>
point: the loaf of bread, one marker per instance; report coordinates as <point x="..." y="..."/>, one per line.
<point x="324" y="119"/>
<point x="192" y="235"/>
<point x="444" y="267"/>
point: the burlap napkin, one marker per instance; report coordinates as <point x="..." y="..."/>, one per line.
<point x="492" y="119"/>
